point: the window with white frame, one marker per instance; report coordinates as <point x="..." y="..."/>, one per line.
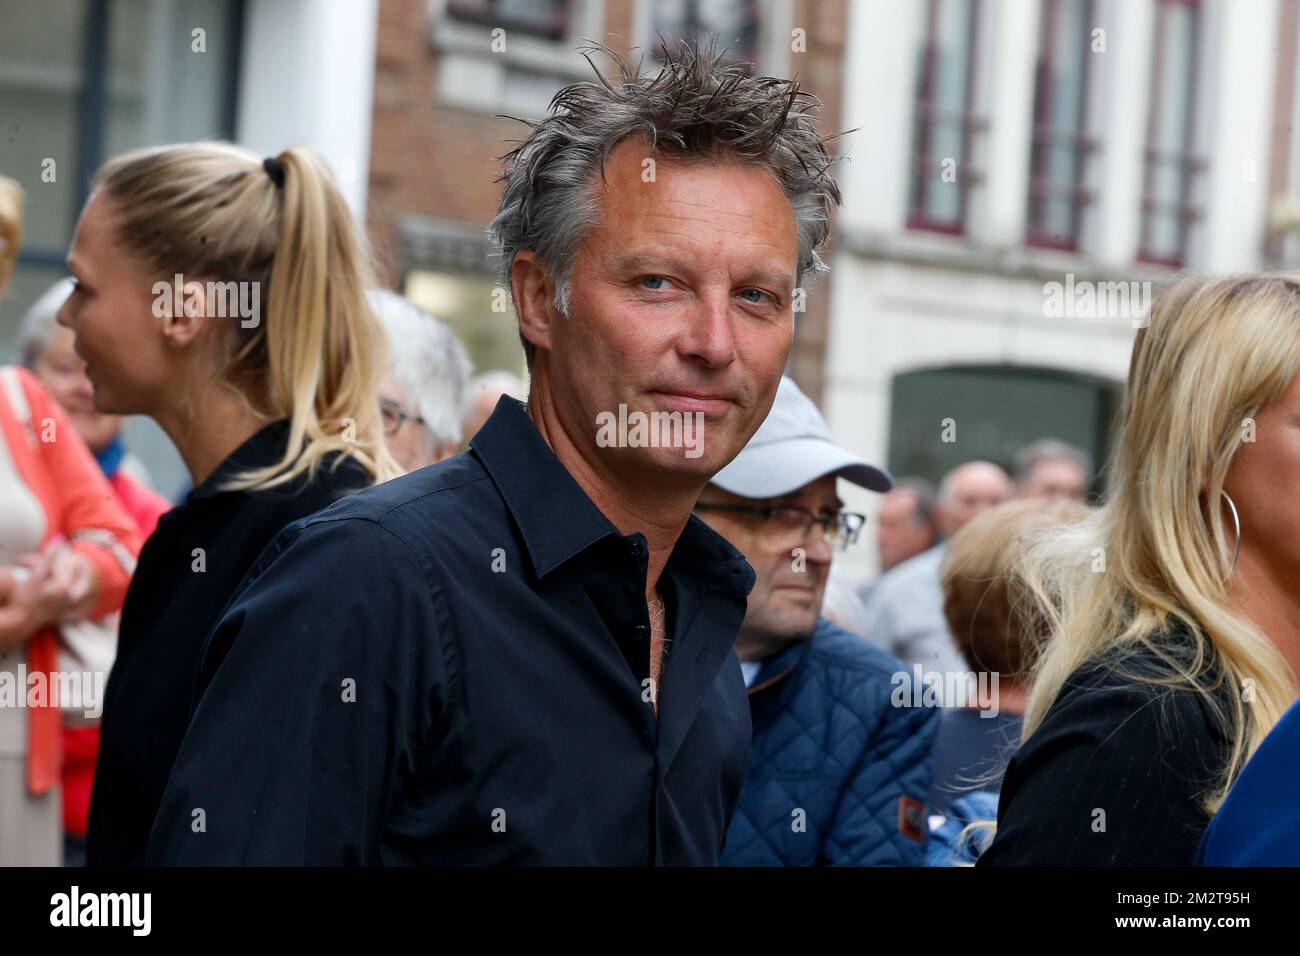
<point x="756" y="33"/>
<point x="733" y="23"/>
<point x="510" y="56"/>
<point x="543" y="18"/>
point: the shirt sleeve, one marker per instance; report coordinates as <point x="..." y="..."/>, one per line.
<point x="88" y="512"/>
<point x="326" y="680"/>
<point x="1115" y="777"/>
<point x="895" y="768"/>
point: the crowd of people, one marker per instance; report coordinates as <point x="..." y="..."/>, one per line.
<point x="353" y="641"/>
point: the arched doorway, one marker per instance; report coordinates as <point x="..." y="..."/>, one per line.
<point x="941" y="417"/>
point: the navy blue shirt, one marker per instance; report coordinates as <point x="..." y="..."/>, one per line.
<point x="187" y="572"/>
<point x="451" y="668"/>
<point x="1259" y="822"/>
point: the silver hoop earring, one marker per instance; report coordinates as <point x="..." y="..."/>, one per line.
<point x="1236" y="524"/>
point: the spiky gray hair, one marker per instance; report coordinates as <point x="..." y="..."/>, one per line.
<point x="701" y="106"/>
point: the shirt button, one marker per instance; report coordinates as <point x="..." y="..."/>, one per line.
<point x="635" y="549"/>
<point x="640" y="632"/>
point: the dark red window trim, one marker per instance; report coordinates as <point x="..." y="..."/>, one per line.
<point x="1045" y="135"/>
<point x="1192" y="165"/>
<point x="929" y="114"/>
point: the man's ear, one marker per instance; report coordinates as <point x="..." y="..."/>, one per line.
<point x="534" y="294"/>
<point x="188" y="315"/>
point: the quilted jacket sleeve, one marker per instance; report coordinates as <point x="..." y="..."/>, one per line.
<point x="892" y="777"/>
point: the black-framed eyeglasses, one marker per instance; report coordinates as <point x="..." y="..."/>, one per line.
<point x="792" y="523"/>
<point x="394" y="416"/>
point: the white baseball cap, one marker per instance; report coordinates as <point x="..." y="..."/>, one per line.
<point x="792" y="448"/>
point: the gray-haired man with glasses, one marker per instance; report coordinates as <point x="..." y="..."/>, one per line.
<point x="837" y="774"/>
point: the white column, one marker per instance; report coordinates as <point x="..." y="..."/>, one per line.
<point x="1007" y="54"/>
<point x="1238" y="101"/>
<point x="884" y="42"/>
<point x="1121" y="81"/>
<point x="307" y="80"/>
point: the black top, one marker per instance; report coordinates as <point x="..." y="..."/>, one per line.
<point x="451" y="668"/>
<point x="971" y="753"/>
<point x="1115" y="774"/>
<point x="176" y="595"/>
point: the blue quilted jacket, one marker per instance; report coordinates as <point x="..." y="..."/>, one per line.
<point x="837" y="776"/>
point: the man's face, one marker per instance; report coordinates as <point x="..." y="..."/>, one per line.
<point x="681" y="302"/>
<point x="1056" y="479"/>
<point x="970" y="489"/>
<point x="790" y="564"/>
<point x="899" y="535"/>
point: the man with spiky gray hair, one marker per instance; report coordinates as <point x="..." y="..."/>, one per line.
<point x="524" y="654"/>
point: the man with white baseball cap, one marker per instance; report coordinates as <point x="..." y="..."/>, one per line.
<point x="837" y="775"/>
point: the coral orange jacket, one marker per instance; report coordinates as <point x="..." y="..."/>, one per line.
<point x="80" y="507"/>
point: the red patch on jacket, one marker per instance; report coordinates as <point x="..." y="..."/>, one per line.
<point x="911" y="818"/>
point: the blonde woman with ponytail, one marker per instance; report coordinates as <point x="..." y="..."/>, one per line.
<point x="1172" y="642"/>
<point x="224" y="296"/>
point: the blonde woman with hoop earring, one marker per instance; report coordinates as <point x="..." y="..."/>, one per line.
<point x="1172" y="642"/>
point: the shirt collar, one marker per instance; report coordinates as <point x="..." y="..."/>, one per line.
<point x="266" y="447"/>
<point x="558" y="521"/>
<point x="782" y="663"/>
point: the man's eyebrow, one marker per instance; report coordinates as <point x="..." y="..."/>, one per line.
<point x="779" y="278"/>
<point x="775" y="276"/>
<point x="651" y="262"/>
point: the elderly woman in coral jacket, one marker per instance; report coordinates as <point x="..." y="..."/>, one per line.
<point x="66" y="553"/>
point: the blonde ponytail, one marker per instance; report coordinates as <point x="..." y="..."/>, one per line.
<point x="316" y="357"/>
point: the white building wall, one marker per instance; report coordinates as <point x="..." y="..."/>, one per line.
<point x="1122" y="87"/>
<point x="1008" y="54"/>
<point x="1238" y="104"/>
<point x="307" y="80"/>
<point x="906" y="300"/>
<point x="879" y="86"/>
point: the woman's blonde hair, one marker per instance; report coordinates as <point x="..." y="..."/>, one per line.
<point x="213" y="212"/>
<point x="1157" y="556"/>
<point x="11" y="228"/>
<point x="980" y="588"/>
